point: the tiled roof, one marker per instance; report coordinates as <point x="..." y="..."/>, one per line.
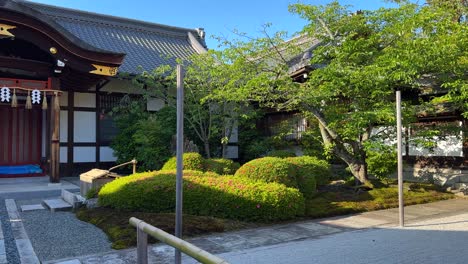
<point x="146" y="45"/>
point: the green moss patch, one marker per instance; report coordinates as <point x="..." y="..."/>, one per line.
<point x="122" y="235"/>
<point x="347" y="200"/>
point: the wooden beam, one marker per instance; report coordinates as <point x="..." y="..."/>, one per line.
<point x="98" y="126"/>
<point x="55" y="137"/>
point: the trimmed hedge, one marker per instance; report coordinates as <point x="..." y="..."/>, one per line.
<point x="281" y="154"/>
<point x="308" y="166"/>
<point x="269" y="169"/>
<point x="191" y="160"/>
<point x="221" y="166"/>
<point x="225" y="197"/>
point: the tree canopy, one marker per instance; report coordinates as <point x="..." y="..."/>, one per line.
<point x="361" y="59"/>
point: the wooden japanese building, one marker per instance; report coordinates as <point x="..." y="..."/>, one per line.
<point x="58" y="70"/>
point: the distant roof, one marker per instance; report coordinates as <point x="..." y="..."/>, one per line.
<point x="146" y="45"/>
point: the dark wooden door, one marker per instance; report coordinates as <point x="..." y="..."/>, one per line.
<point x="20" y="135"/>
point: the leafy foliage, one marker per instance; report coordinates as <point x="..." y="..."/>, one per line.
<point x="281" y="153"/>
<point x="358" y="60"/>
<point x="268" y="169"/>
<point x="382" y="161"/>
<point x="221" y="166"/>
<point x="191" y="161"/>
<point x="310" y="167"/>
<point x="143" y="135"/>
<point x="221" y="196"/>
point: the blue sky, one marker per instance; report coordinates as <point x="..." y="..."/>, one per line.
<point x="217" y="17"/>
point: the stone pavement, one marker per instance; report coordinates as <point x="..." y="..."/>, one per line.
<point x="35" y="187"/>
<point x="243" y="246"/>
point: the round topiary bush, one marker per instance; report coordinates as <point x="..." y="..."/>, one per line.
<point x="207" y="195"/>
<point x="281" y="153"/>
<point x="221" y="166"/>
<point x="311" y="167"/>
<point x="191" y="160"/>
<point x="268" y="169"/>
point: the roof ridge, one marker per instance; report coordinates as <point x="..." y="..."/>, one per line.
<point x="124" y="21"/>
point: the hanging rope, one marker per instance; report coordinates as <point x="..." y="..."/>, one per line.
<point x="28" y="101"/>
<point x="32" y="89"/>
<point x="56" y="101"/>
<point x="14" y="99"/>
<point x="36" y="95"/>
<point x="44" y="102"/>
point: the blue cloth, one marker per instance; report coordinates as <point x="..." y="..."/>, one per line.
<point x="20" y="169"/>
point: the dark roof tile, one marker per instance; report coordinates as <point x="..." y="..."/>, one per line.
<point x="145" y="44"/>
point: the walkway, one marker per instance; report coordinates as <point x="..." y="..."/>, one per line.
<point x="434" y="231"/>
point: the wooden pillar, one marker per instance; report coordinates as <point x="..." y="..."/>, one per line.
<point x="70" y="131"/>
<point x="55" y="135"/>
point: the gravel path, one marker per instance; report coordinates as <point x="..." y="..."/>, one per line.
<point x="61" y="235"/>
<point x="10" y="245"/>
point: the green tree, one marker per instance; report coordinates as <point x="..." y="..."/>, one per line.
<point x="209" y="120"/>
<point x="361" y="59"/>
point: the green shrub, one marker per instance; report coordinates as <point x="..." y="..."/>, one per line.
<point x="191" y="160"/>
<point x="307" y="167"/>
<point x="92" y="193"/>
<point x="269" y="169"/>
<point x="281" y="153"/>
<point x="382" y="162"/>
<point x="221" y="196"/>
<point x="221" y="166"/>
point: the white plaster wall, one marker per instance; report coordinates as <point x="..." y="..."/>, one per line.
<point x="63" y="154"/>
<point x="84" y="127"/>
<point x="63" y="126"/>
<point x="63" y="99"/>
<point x="84" y="154"/>
<point x="107" y="154"/>
<point x="85" y="100"/>
<point x="448" y="146"/>
<point x="451" y="146"/>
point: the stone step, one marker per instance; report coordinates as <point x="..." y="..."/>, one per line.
<point x="57" y="205"/>
<point x="32" y="207"/>
<point x="459" y="185"/>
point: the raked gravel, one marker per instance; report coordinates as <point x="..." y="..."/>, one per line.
<point x="61" y="235"/>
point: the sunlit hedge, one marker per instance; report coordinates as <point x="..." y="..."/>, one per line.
<point x="204" y="194"/>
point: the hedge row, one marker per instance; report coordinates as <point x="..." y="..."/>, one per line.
<point x="311" y="166"/>
<point x="204" y="194"/>
<point x="303" y="172"/>
<point x="194" y="161"/>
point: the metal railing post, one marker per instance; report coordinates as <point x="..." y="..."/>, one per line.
<point x="142" y="245"/>
<point x="181" y="245"/>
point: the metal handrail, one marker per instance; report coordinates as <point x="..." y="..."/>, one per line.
<point x="145" y="229"/>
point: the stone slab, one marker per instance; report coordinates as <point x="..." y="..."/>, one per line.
<point x="72" y="261"/>
<point x="71" y="198"/>
<point x="23" y="244"/>
<point x="57" y="205"/>
<point x="3" y="258"/>
<point x="32" y="207"/>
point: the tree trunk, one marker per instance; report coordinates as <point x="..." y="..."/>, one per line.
<point x="206" y="145"/>
<point x="359" y="171"/>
